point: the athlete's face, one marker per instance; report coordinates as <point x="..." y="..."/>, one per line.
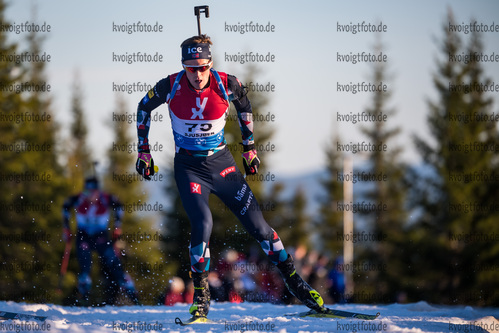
<point x="91" y="194"/>
<point x="198" y="76"/>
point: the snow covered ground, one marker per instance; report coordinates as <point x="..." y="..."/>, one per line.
<point x="257" y="317"/>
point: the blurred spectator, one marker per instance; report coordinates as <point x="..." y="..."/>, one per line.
<point x="174" y="293"/>
<point x="217" y="288"/>
<point x="240" y="278"/>
<point x="225" y="270"/>
<point x="337" y="281"/>
<point x="319" y="277"/>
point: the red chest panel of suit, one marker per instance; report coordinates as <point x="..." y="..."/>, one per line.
<point x="189" y="104"/>
<point x="92" y="205"/>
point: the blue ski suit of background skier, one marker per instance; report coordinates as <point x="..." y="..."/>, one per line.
<point x="92" y="208"/>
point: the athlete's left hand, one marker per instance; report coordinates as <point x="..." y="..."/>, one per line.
<point x="251" y="161"/>
<point x="145" y="165"/>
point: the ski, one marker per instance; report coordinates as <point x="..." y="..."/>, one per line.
<point x="331" y="313"/>
<point x="193" y="320"/>
<point x="4" y="315"/>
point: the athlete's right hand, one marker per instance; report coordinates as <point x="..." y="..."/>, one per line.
<point x="145" y="164"/>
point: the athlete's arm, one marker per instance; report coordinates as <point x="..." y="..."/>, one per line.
<point x="117" y="208"/>
<point x="237" y="93"/>
<point x="66" y="209"/>
<point x="154" y="98"/>
<point x="69" y="203"/>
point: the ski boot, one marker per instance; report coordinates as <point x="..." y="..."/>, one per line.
<point x="299" y="288"/>
<point x="111" y="293"/>
<point x="201" y="301"/>
<point x="129" y="287"/>
<point x="133" y="296"/>
<point x="83" y="300"/>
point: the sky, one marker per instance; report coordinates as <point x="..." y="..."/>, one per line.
<point x="304" y="42"/>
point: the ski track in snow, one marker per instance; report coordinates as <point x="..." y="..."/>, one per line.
<point x="252" y="317"/>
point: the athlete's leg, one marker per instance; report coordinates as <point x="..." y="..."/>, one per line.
<point x="234" y="191"/>
<point x="112" y="269"/>
<point x="84" y="255"/>
<point x="194" y="188"/>
<point x="231" y="187"/>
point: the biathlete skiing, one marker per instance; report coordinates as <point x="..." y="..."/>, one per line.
<point x="198" y="100"/>
<point x="92" y="209"/>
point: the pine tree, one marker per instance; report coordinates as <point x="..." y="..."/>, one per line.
<point x="429" y="232"/>
<point x="79" y="164"/>
<point x="298" y="233"/>
<point x="456" y="258"/>
<point x="481" y="287"/>
<point x="141" y="241"/>
<point x="386" y="192"/>
<point x="330" y="219"/>
<point x="34" y="184"/>
<point x="11" y="74"/>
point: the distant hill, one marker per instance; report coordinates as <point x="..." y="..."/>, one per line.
<point x="311" y="184"/>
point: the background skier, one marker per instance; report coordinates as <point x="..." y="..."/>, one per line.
<point x="92" y="208"/>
